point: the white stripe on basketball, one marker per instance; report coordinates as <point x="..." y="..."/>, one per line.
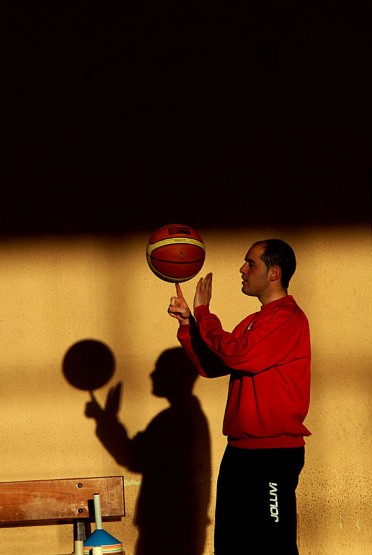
<point x="173" y="241"/>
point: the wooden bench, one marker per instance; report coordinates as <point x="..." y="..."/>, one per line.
<point x="61" y="501"/>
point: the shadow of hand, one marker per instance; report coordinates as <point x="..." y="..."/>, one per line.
<point x="112" y="405"/>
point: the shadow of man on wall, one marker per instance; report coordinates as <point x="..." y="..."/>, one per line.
<point x="173" y="455"/>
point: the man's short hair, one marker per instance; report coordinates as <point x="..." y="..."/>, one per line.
<point x="279" y="253"/>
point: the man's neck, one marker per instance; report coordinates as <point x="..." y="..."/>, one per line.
<point x="272" y="296"/>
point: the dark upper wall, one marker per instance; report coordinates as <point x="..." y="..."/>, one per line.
<point x="127" y="116"/>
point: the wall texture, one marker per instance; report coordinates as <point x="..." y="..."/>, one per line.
<point x="243" y="120"/>
<point x="59" y="292"/>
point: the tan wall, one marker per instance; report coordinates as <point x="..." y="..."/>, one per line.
<point x="56" y="292"/>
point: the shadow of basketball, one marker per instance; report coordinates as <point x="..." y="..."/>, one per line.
<point x="88" y="365"/>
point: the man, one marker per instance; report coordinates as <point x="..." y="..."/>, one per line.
<point x="267" y="356"/>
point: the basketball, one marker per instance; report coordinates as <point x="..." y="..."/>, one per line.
<point x="175" y="253"/>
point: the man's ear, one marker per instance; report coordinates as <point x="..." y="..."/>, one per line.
<point x="275" y="273"/>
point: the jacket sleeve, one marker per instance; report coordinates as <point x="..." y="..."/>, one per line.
<point x="273" y="339"/>
<point x="205" y="360"/>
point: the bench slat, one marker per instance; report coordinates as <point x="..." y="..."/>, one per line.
<point x="60" y="499"/>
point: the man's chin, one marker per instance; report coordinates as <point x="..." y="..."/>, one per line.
<point x="246" y="291"/>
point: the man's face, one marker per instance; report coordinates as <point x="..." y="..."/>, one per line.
<point x="254" y="272"/>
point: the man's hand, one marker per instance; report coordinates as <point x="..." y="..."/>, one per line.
<point x="203" y="293"/>
<point x="178" y="307"/>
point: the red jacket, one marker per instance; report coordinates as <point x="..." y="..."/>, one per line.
<point x="268" y="358"/>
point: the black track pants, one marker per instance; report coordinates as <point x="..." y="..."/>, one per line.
<point x="256" y="501"/>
